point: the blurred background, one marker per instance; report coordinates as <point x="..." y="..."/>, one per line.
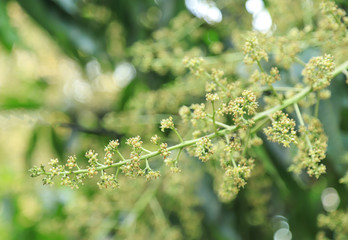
<point x="75" y="74"/>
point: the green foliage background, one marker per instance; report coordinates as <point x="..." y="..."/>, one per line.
<point x="58" y="97"/>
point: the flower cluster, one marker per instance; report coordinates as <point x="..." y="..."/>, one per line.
<point x="204" y="149"/>
<point x="164" y="150"/>
<point x="152" y="175"/>
<point x="194" y="64"/>
<point x="198" y="111"/>
<point x="132" y="168"/>
<point x="253" y="51"/>
<point x="185" y="113"/>
<point x="71" y="162"/>
<point x="264" y="78"/>
<point x="318" y="72"/>
<point x="282" y="130"/>
<point x="110" y="150"/>
<point x="92" y="157"/>
<point x="235" y="178"/>
<point x="135" y="142"/>
<point x="55" y="167"/>
<point x="74" y="182"/>
<point x="287" y="47"/>
<point x="336" y="221"/>
<point x="330" y="7"/>
<point x="108" y="181"/>
<point x="167" y="123"/>
<point x="217" y="75"/>
<point x="344" y="179"/>
<point x="212" y="97"/>
<point x="242" y="108"/>
<point x="312" y="145"/>
<point x="155" y="139"/>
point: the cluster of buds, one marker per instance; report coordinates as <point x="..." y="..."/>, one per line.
<point x="210" y="87"/>
<point x="112" y="146"/>
<point x="194" y="64"/>
<point x="155" y="139"/>
<point x="135" y="142"/>
<point x="37" y="171"/>
<point x="92" y="157"/>
<point x="282" y="130"/>
<point x="234" y="144"/>
<point x="71" y="162"/>
<point x="242" y="107"/>
<point x="235" y="178"/>
<point x="312" y="145"/>
<point x="253" y="51"/>
<point x="273" y="77"/>
<point x="212" y="97"/>
<point x="91" y="171"/>
<point x="110" y="150"/>
<point x="108" y="181"/>
<point x="164" y="150"/>
<point x="198" y="111"/>
<point x="173" y="164"/>
<point x="132" y="168"/>
<point x="264" y="78"/>
<point x="167" y="123"/>
<point x="66" y="181"/>
<point x="55" y="167"/>
<point x="318" y="72"/>
<point x="336" y="221"/>
<point x="329" y="7"/>
<point x="152" y="175"/>
<point x="204" y="149"/>
<point x="73" y="181"/>
<point x="217" y="75"/>
<point x="185" y="113"/>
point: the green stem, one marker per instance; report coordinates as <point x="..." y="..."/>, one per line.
<point x="216" y="82"/>
<point x="246" y="141"/>
<point x="284" y="89"/>
<point x="300" y="119"/>
<point x="261" y="68"/>
<point x="229" y="129"/>
<point x="117" y="172"/>
<point x="143" y="201"/>
<point x="275" y="93"/>
<point x="233" y="162"/>
<point x="147" y="164"/>
<point x="177" y="134"/>
<point x="157" y="210"/>
<point x="145" y="150"/>
<point x="316" y="109"/>
<point x="178" y="156"/>
<point x="336" y="19"/>
<point x="259" y="125"/>
<point x="217" y="122"/>
<point x="299" y="61"/>
<point x="340" y="69"/>
<point x="213" y="117"/>
<point x="120" y="155"/>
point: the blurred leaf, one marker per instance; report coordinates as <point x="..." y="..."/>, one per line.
<point x="31" y="147"/>
<point x="330" y="113"/>
<point x="76" y="36"/>
<point x="210" y="37"/>
<point x="128" y="92"/>
<point x="8" y="35"/>
<point x="57" y="143"/>
<point x="18" y="102"/>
